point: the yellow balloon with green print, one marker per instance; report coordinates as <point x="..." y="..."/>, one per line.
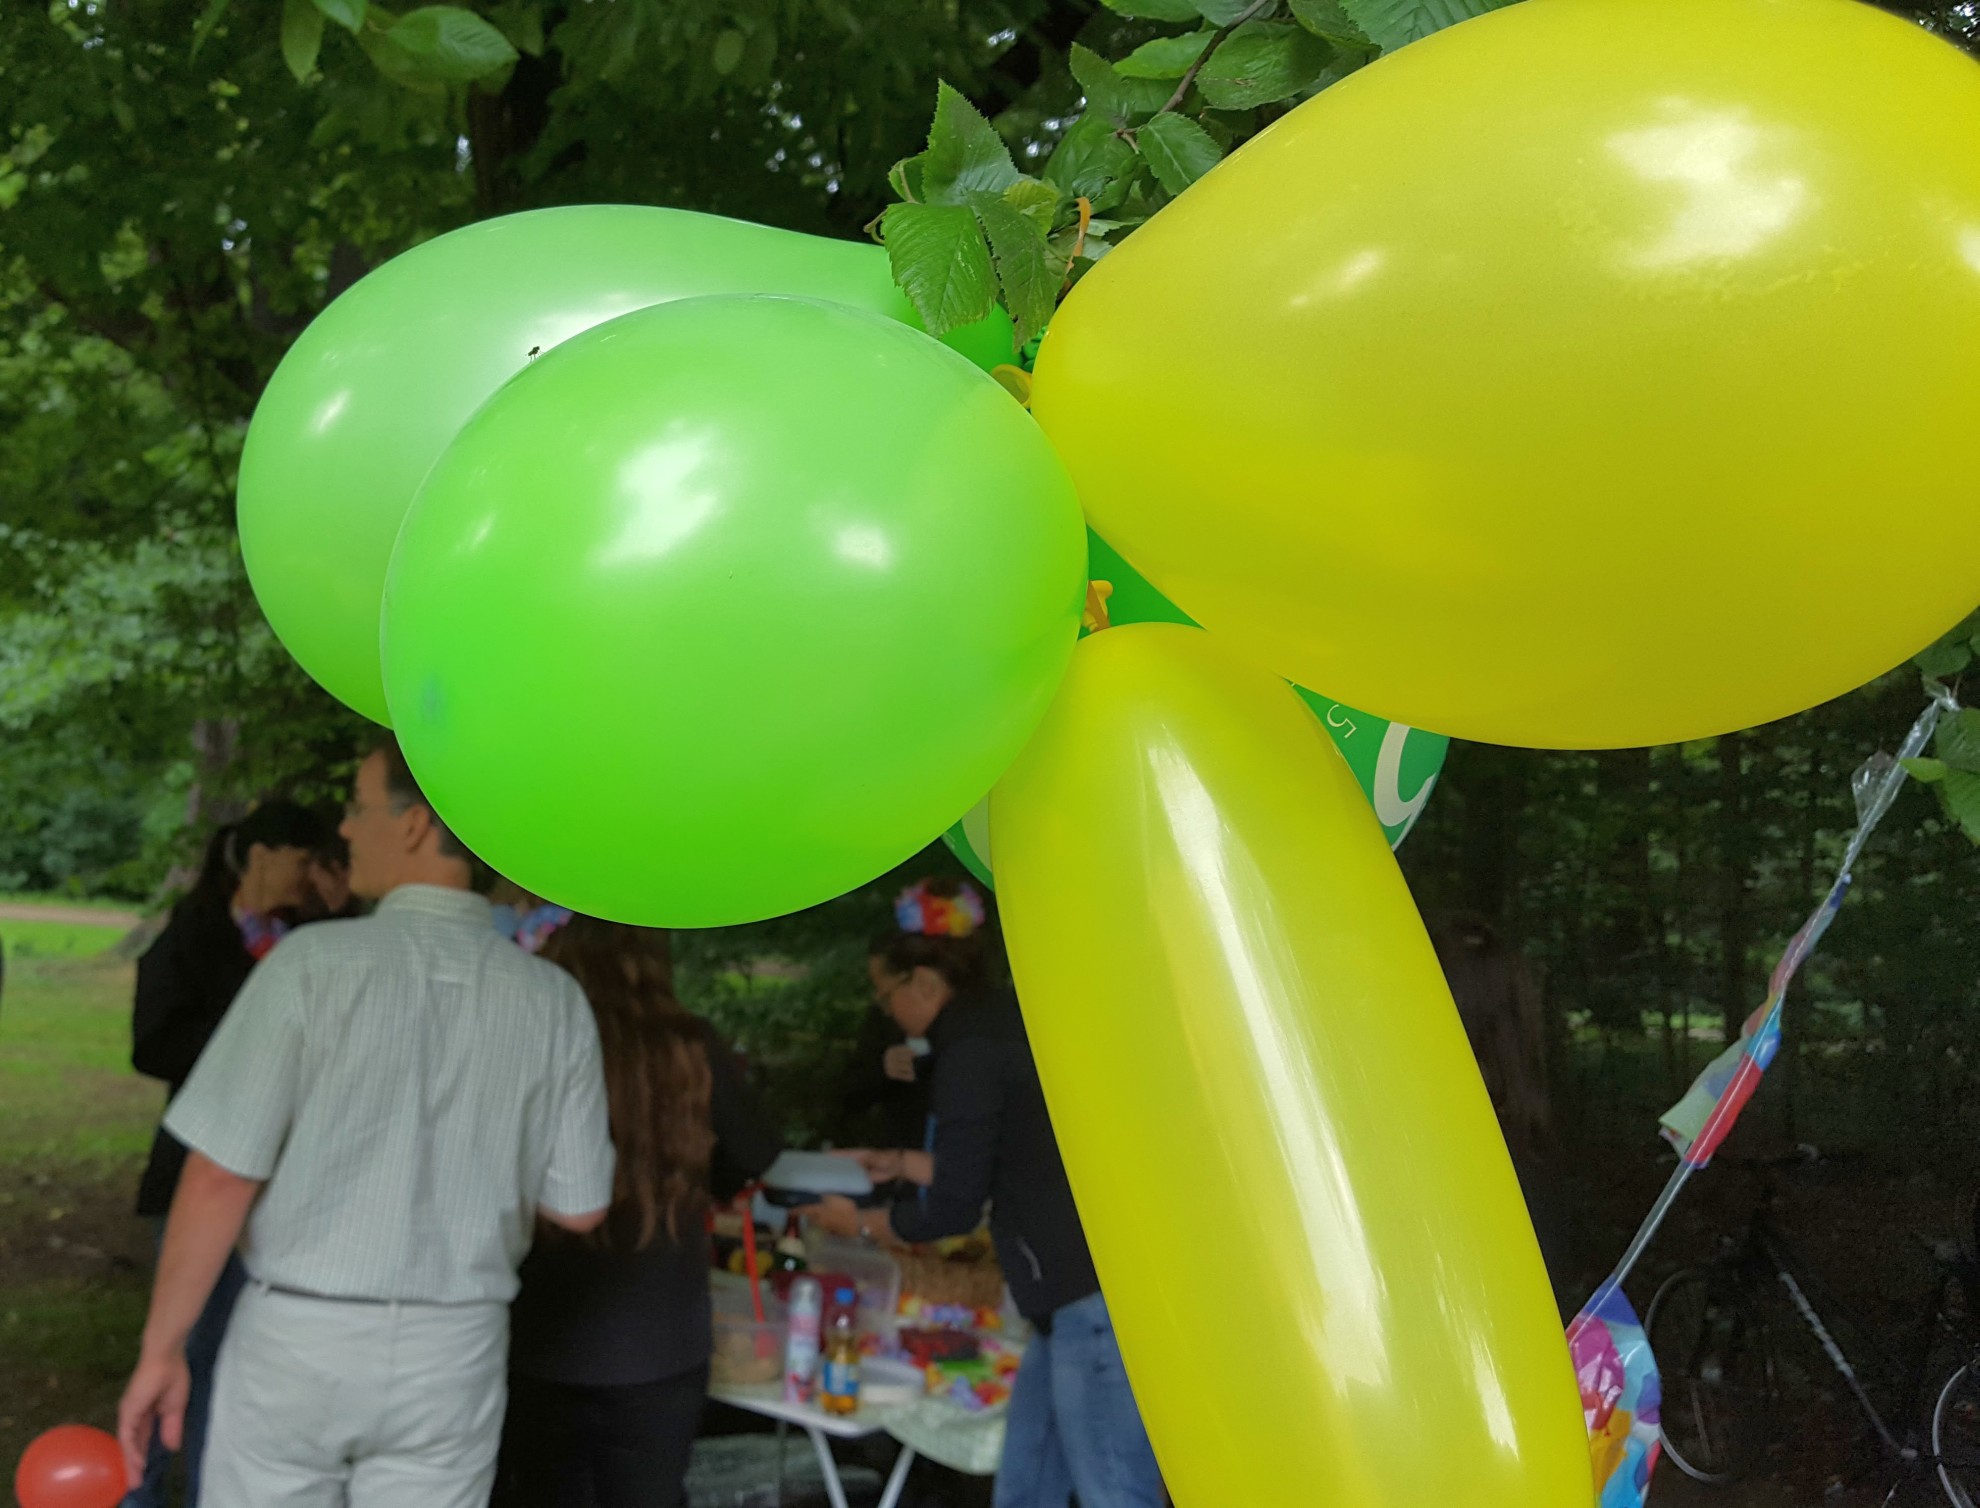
<point x="1303" y="1214"/>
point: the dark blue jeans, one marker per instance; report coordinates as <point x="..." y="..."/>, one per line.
<point x="1073" y="1425"/>
<point x="202" y="1353"/>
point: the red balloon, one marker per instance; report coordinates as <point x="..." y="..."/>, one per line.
<point x="72" y="1466"/>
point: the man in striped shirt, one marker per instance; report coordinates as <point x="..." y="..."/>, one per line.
<point x="388" y="1107"/>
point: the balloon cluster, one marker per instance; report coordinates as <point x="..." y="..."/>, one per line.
<point x="697" y="583"/>
<point x="1556" y="381"/>
<point x="680" y="520"/>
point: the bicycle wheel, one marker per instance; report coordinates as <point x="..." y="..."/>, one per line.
<point x="1956" y="1437"/>
<point x="1716" y="1371"/>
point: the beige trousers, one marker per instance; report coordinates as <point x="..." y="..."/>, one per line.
<point x="327" y="1404"/>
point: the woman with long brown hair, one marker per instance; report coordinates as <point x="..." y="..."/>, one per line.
<point x="611" y="1333"/>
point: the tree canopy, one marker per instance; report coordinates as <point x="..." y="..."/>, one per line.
<point x="183" y="185"/>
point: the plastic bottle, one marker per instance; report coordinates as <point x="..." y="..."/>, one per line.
<point x="801" y="1350"/>
<point x="838" y="1391"/>
<point x="790" y="1254"/>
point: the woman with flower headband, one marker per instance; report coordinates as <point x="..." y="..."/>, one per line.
<point x="1073" y="1426"/>
<point x="251" y="886"/>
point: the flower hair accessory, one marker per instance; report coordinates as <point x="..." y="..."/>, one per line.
<point x="920" y="909"/>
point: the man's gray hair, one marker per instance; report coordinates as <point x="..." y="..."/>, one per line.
<point x="403" y="788"/>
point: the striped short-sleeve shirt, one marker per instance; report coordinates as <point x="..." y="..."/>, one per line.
<point x="412" y="1087"/>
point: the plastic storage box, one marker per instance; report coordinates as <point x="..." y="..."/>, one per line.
<point x="876" y="1275"/>
<point x="747" y="1350"/>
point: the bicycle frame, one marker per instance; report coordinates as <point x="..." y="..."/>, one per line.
<point x="1769" y="1246"/>
<point x="1767" y="1252"/>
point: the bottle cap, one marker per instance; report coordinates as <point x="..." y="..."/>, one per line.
<point x="844" y="1296"/>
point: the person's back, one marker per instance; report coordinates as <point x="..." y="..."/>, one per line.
<point x="428" y="1068"/>
<point x="387" y="1108"/>
<point x="985" y="1066"/>
<point x="611" y="1333"/>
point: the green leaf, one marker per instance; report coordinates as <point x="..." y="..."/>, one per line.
<point x="451" y="45"/>
<point x="1327" y="20"/>
<point x="1037" y="202"/>
<point x="1178" y="149"/>
<point x="1390" y="24"/>
<point x="209" y="18"/>
<point x="1925" y="771"/>
<point x="1153" y="10"/>
<point x="302" y="37"/>
<point x="1945" y="659"/>
<point x="393" y="61"/>
<point x="1262" y="64"/>
<point x="729" y="51"/>
<point x="348" y="14"/>
<point x="1348" y="58"/>
<point x="1222" y="12"/>
<point x="965" y="154"/>
<point x="760" y="59"/>
<point x="1961" y="795"/>
<point x="1091" y="161"/>
<point x="1029" y="271"/>
<point x="1112" y="94"/>
<point x="1958" y="740"/>
<point x="1165" y="57"/>
<point x="521" y="21"/>
<point x="940" y="261"/>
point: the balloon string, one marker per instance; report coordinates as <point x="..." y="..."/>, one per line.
<point x="1876" y="787"/>
<point x="1079" y="241"/>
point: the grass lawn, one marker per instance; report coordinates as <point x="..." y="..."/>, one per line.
<point x="75" y="1122"/>
<point x="67" y="903"/>
<point x="39" y="939"/>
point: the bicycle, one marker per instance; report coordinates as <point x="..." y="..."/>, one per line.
<point x="1711" y="1330"/>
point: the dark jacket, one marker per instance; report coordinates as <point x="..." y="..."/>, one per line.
<point x="874" y="1109"/>
<point x="994" y="1142"/>
<point x="185" y="981"/>
<point x="594" y="1314"/>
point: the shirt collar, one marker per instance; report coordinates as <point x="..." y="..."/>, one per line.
<point x="439" y="901"/>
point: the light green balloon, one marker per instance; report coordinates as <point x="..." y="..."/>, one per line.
<point x="385" y="377"/>
<point x="727" y="606"/>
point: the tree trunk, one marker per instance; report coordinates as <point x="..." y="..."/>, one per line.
<point x="216" y="743"/>
<point x="1735" y="886"/>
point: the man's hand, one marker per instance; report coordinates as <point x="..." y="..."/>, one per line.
<point x="899" y="1062"/>
<point x="886" y="1166"/>
<point x="839" y="1216"/>
<point x="835" y="1214"/>
<point x="208" y="1211"/>
<point x="155" y="1399"/>
<point x="881" y="1166"/>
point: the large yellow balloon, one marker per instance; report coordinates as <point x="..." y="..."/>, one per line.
<point x="1596" y="372"/>
<point x="1303" y="1215"/>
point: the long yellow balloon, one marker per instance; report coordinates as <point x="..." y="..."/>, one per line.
<point x="1304" y="1218"/>
<point x="1587" y="374"/>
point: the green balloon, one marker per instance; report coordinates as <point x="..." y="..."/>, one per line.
<point x="385" y="377"/>
<point x="1396" y="765"/>
<point x="727" y="606"/>
<point x="969" y="840"/>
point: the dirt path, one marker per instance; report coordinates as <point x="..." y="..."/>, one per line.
<point x="82" y="916"/>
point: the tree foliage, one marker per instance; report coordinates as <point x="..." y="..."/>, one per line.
<point x="183" y="185"/>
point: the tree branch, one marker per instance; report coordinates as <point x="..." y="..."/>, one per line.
<point x="1251" y="13"/>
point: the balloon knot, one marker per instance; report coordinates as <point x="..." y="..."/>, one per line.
<point x="1095" y="617"/>
<point x="1014" y="380"/>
